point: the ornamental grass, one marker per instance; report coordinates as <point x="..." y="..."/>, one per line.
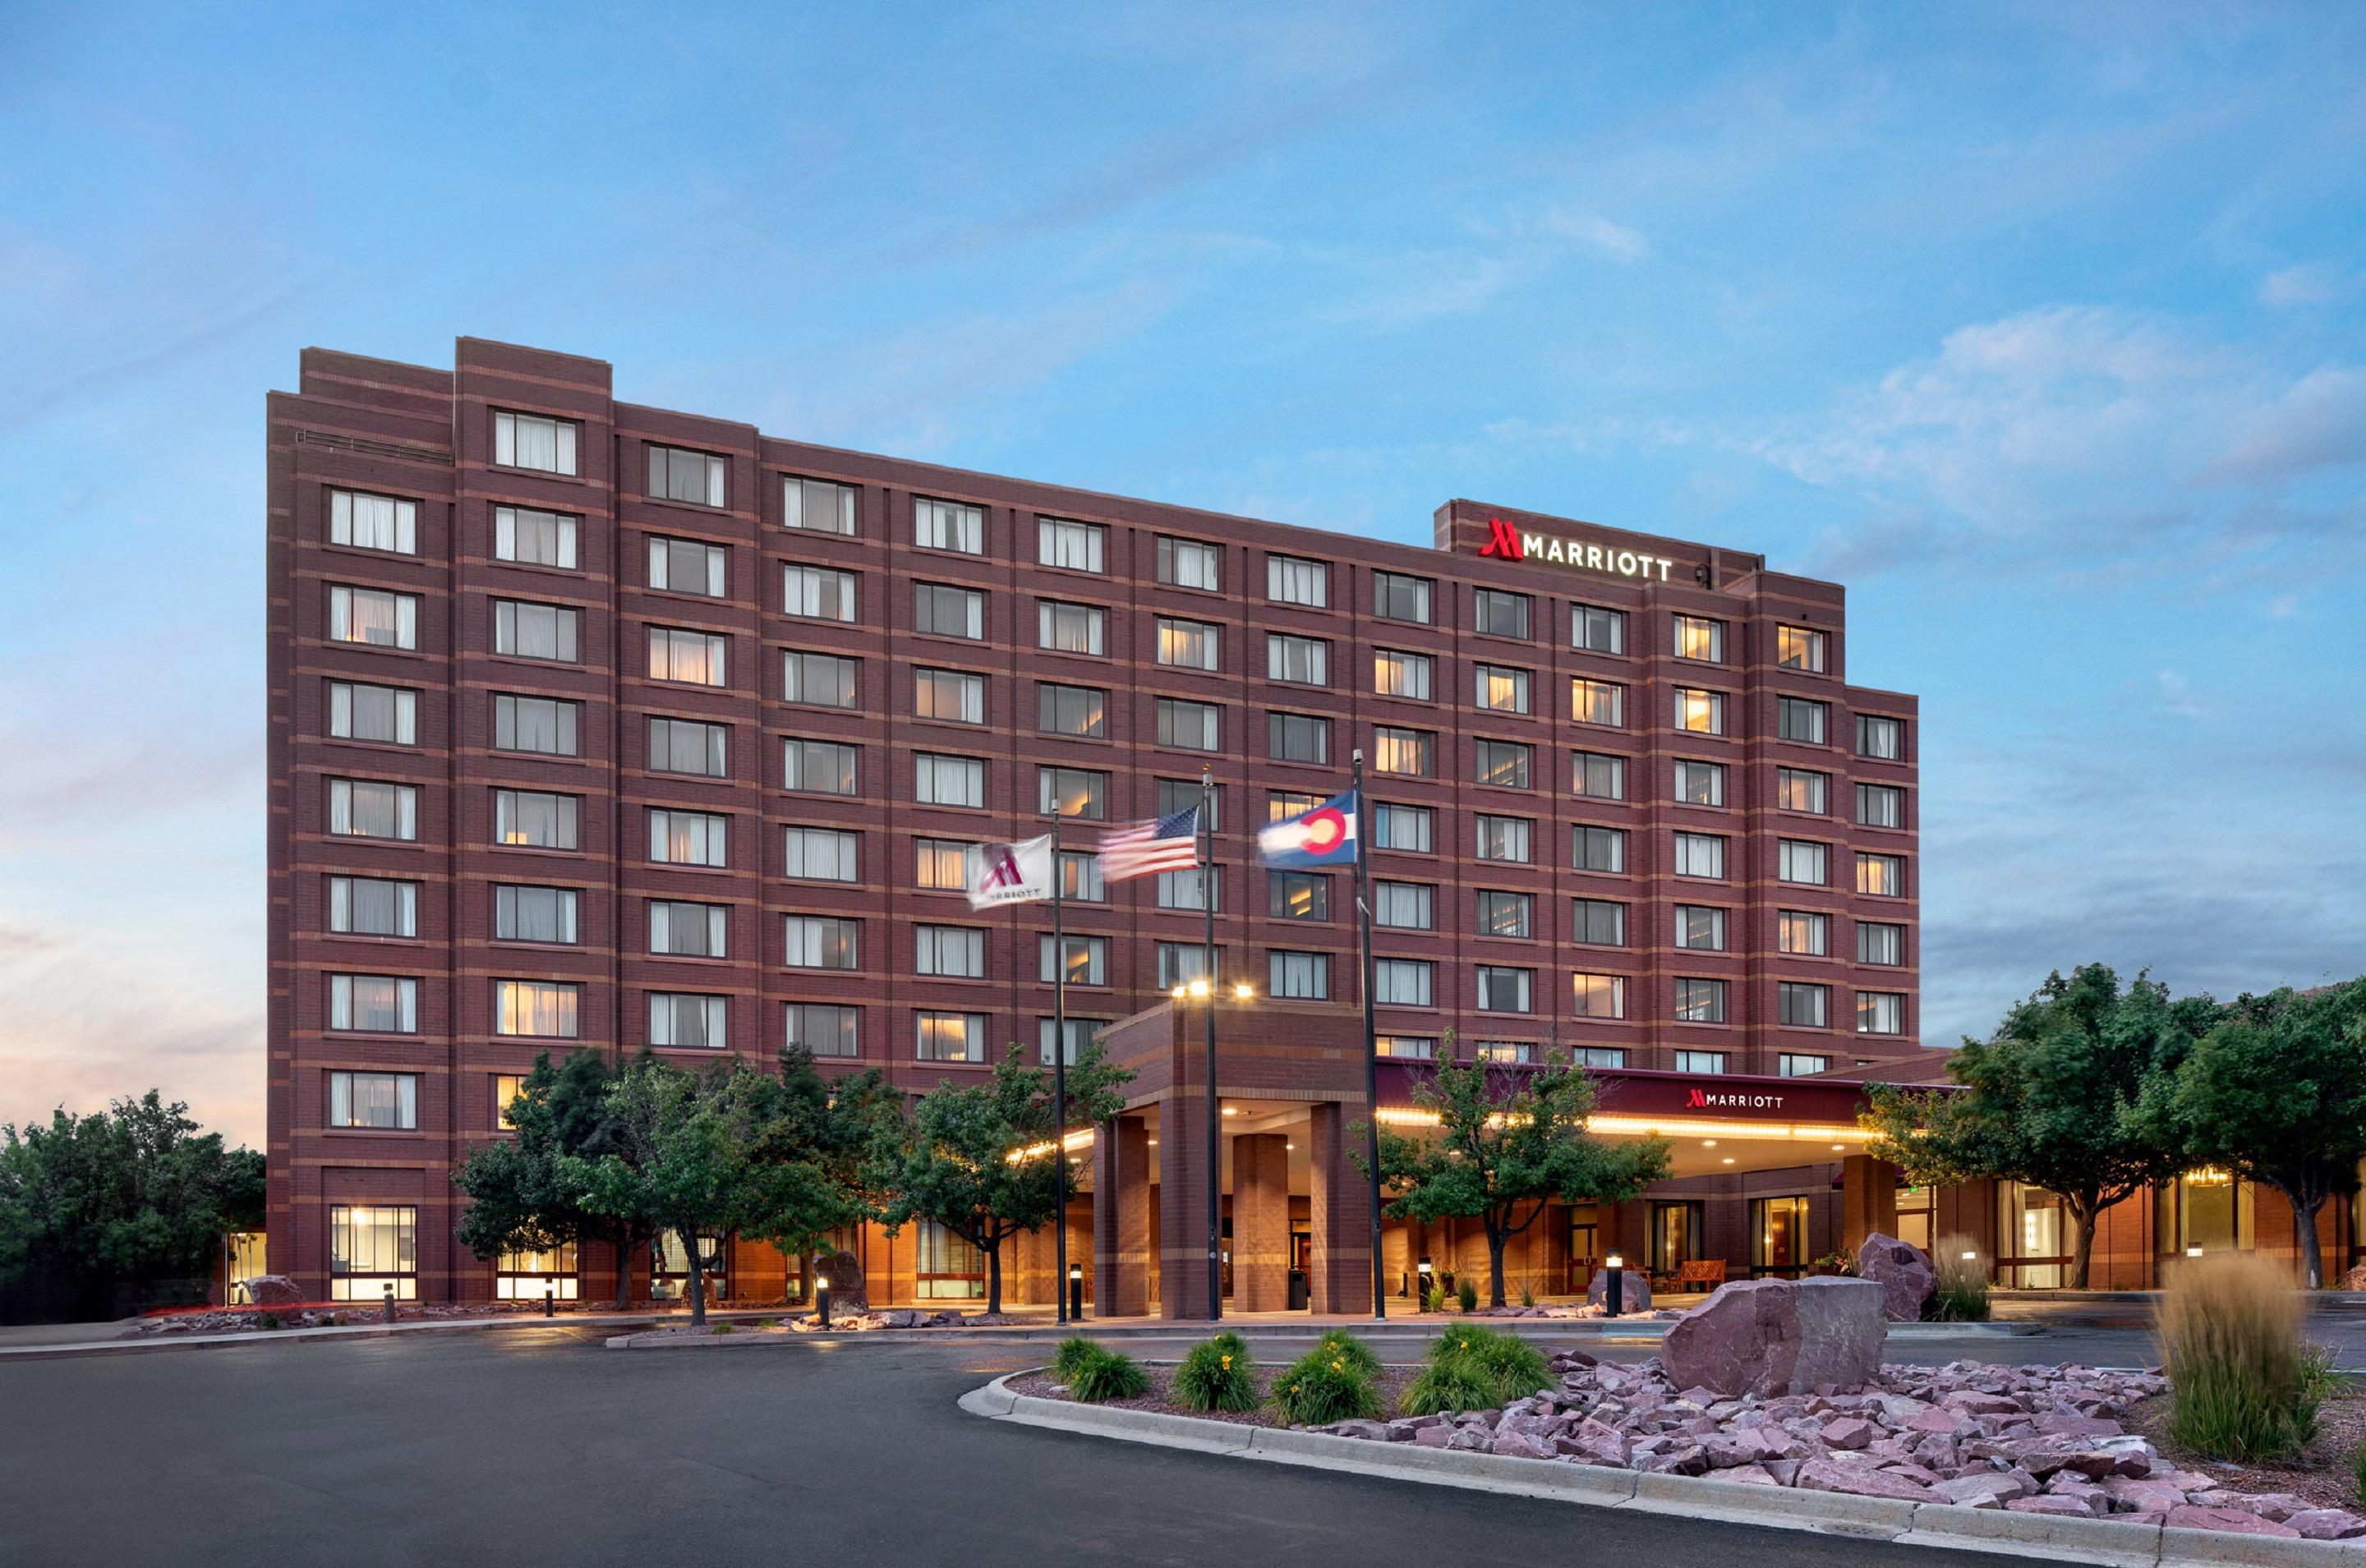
<point x="2244" y="1386"/>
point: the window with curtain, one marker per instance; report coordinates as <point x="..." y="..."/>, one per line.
<point x="1498" y="613"/>
<point x="1192" y="726"/>
<point x="817" y="680"/>
<point x="386" y="1102"/>
<point x="1407" y="828"/>
<point x="1300" y="660"/>
<point x="1801" y="1006"/>
<point x="1700" y="925"/>
<point x="534" y="441"/>
<point x="1071" y="710"/>
<point x="1505" y="914"/>
<point x="948" y="525"/>
<point x="1598" y="922"/>
<point x="373" y="522"/>
<point x="1399" y="674"/>
<point x="816" y="941"/>
<point x="953" y="695"/>
<point x="373" y="617"/>
<point x="1503" y="837"/>
<point x="1503" y="990"/>
<point x="1798" y="648"/>
<point x="1411" y="754"/>
<point x="1404" y="905"/>
<point x="1799" y="789"/>
<point x="817" y="593"/>
<point x="1593" y="629"/>
<point x="678" y="474"/>
<point x="1503" y="763"/>
<point x="952" y="1036"/>
<point x="1072" y="546"/>
<point x="361" y="808"/>
<point x="1700" y="1000"/>
<point x="688" y="838"/>
<point x="688" y="746"/>
<point x="542" y="724"/>
<point x="534" y="819"/>
<point x="523" y="630"/>
<point x="1699" y="711"/>
<point x="819" y="854"/>
<point x="1301" y="976"/>
<point x="693" y="658"/>
<point x="1700" y="783"/>
<point x="1601" y="702"/>
<point x="1597" y="849"/>
<point x="1700" y="855"/>
<point x="940" y="610"/>
<point x="545" y="1009"/>
<point x="685" y="566"/>
<point x="1802" y="932"/>
<point x="824" y="1029"/>
<point x="1397" y="597"/>
<point x="1403" y="982"/>
<point x="1087" y="959"/>
<point x="1797" y="718"/>
<point x="1699" y="637"/>
<point x="687" y="1021"/>
<point x="387" y="715"/>
<point x="1598" y="775"/>
<point x="818" y="506"/>
<point x="1187" y="563"/>
<point x="1289" y="580"/>
<point x="376" y="1004"/>
<point x="953" y="952"/>
<point x="534" y="914"/>
<point x="689" y="930"/>
<point x="1598" y="996"/>
<point x="1071" y="628"/>
<point x="939" y="779"/>
<point x="1802" y="862"/>
<point x="531" y="536"/>
<point x="373" y="906"/>
<point x="1879" y="943"/>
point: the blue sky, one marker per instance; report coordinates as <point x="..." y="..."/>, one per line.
<point x="2042" y="327"/>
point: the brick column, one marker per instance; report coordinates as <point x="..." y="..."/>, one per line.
<point x="1122" y="1218"/>
<point x="1183" y="1206"/>
<point x="1868" y="1200"/>
<point x="1341" y="1268"/>
<point x="1260" y="1221"/>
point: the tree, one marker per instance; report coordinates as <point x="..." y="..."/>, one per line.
<point x="2276" y="1093"/>
<point x="1509" y="1139"/>
<point x="129" y="1196"/>
<point x="974" y="1157"/>
<point x="2055" y="1097"/>
<point x="812" y="1148"/>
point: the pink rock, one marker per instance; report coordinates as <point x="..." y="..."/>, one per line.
<point x="1991" y="1489"/>
<point x="1634" y="1291"/>
<point x="1857" y="1481"/>
<point x="1973" y="1402"/>
<point x="2239" y="1520"/>
<point x="2069" y="1423"/>
<point x="1848" y="1432"/>
<point x="1779" y="1337"/>
<point x="1929" y="1420"/>
<point x="2326" y="1524"/>
<point x="1902" y="1270"/>
<point x="2063" y="1507"/>
<point x="1432" y="1436"/>
<point x="1750" y="1475"/>
<point x="1521" y="1445"/>
<point x="274" y="1290"/>
<point x="2274" y="1505"/>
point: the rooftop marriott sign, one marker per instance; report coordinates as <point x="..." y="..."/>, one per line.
<point x="1507" y="543"/>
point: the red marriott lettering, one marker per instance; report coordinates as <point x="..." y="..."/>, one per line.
<point x="1507" y="543"/>
<point x="1702" y="1099"/>
<point x="1502" y="541"/>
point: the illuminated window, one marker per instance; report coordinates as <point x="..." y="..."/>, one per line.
<point x="1701" y="712"/>
<point x="533" y="819"/>
<point x="387" y="1101"/>
<point x="1597" y="702"/>
<point x="1500" y="689"/>
<point x="371" y="1248"/>
<point x="1187" y="645"/>
<point x="1510" y="1051"/>
<point x="952" y="1036"/>
<point x="1698" y="637"/>
<point x="1088" y="959"/>
<point x="945" y="1264"/>
<point x="1414" y="1047"/>
<point x="532" y="1276"/>
<point x="950" y="695"/>
<point x="1797" y="648"/>
<point x="1883" y="876"/>
<point x="1598" y="996"/>
<point x="373" y="617"/>
<point x="695" y="658"/>
<point x="1799" y="789"/>
<point x="938" y="863"/>
<point x="1410" y="753"/>
<point x="536" y="1008"/>
<point x="1071" y="791"/>
<point x="507" y="1087"/>
<point x="1802" y="932"/>
<point x="1298" y="896"/>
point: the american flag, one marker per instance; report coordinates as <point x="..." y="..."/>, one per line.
<point x="1140" y="849"/>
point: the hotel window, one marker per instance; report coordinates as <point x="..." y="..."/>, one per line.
<point x="817" y="767"/>
<point x="1503" y="837"/>
<point x="1180" y="963"/>
<point x="541" y="724"/>
<point x="1180" y="889"/>
<point x="1801" y="1006"/>
<point x="1298" y="896"/>
<point x="507" y="1087"/>
<point x="384" y="714"/>
<point x="1080" y="878"/>
<point x="1701" y="638"/>
<point x="1791" y="1065"/>
<point x="534" y="537"/>
<point x="1597" y="849"/>
<point x="1880" y="1012"/>
<point x="1281" y="803"/>
<point x="537" y="1009"/>
<point x="1597" y="630"/>
<point x="374" y="617"/>
<point x="1878" y="943"/>
<point x="1301" y="660"/>
<point x="1700" y="783"/>
<point x="1401" y="674"/>
<point x="389" y="1102"/>
<point x="1186" y="644"/>
<point x="1797" y="648"/>
<point x="1191" y="726"/>
<point x="1080" y="1037"/>
<point x="817" y="593"/>
<point x="1088" y="959"/>
<point x="1598" y="922"/>
<point x="1884" y="876"/>
<point x="1073" y="547"/>
<point x="1410" y="753"/>
<point x="816" y="941"/>
<point x="949" y="695"/>
<point x="1598" y="775"/>
<point x="1880" y="805"/>
<point x="1494" y="613"/>
<point x="817" y="680"/>
<point x="1700" y="1001"/>
<point x="1703" y="713"/>
<point x="1505" y="914"/>
<point x="1504" y="763"/>
<point x="948" y="525"/>
<point x="1884" y="739"/>
<point x="1396" y="597"/>
<point x="376" y="1004"/>
<point x="1500" y="689"/>
<point x="1297" y="737"/>
<point x="952" y="1037"/>
<point x="534" y="819"/>
<point x="1403" y="828"/>
<point x="687" y="745"/>
<point x="1071" y="628"/>
<point x="1300" y="976"/>
<point x="1186" y="795"/>
<point x="1705" y="1062"/>
<point x="1412" y="1047"/>
<point x="693" y="658"/>
<point x="1512" y="1051"/>
<point x="1798" y="789"/>
<point x="1700" y="855"/>
<point x="1504" y="989"/>
<point x="821" y="1028"/>
<point x="1404" y="905"/>
<point x="1796" y="718"/>
<point x="1801" y="862"/>
<point x="1186" y="563"/>
<point x="530" y="441"/>
<point x="535" y="1276"/>
<point x="818" y="506"/>
<point x="374" y="522"/>
<point x="937" y="863"/>
<point x="1598" y="702"/>
<point x="939" y="610"/>
<point x="1598" y="996"/>
<point x="1072" y="792"/>
<point x="688" y="838"/>
<point x="1802" y="932"/>
<point x="372" y="1247"/>
<point x="680" y="930"/>
<point x="361" y="809"/>
<point x="1701" y="927"/>
<point x="1598" y="1056"/>
<point x="939" y="780"/>
<point x="684" y="566"/>
<point x="1071" y="710"/>
<point x="679" y="475"/>
<point x="1290" y="581"/>
<point x="1403" y="982"/>
<point x="373" y="906"/>
<point x="687" y="1021"/>
<point x="954" y="952"/>
<point x="536" y="914"/>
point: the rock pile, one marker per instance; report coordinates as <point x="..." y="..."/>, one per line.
<point x="2033" y="1439"/>
<point x="864" y="1322"/>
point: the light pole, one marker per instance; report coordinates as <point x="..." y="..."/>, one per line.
<point x="1206" y="986"/>
<point x="1059" y="1072"/>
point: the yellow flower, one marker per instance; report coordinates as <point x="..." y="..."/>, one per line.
<point x="1228" y="1363"/>
<point x="1338" y="1365"/>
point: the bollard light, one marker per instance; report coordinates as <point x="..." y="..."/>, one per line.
<point x="1614" y="1294"/>
<point x="388" y="1301"/>
<point x="1971" y="1256"/>
<point x="821" y="1298"/>
<point x="1425" y="1271"/>
<point x="550" y="1301"/>
<point x="2192" y="1252"/>
<point x="1076" y="1292"/>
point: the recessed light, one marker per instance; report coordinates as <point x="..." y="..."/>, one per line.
<point x="1728" y="1159"/>
<point x="1708" y="1143"/>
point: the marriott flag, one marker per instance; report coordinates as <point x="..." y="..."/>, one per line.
<point x="1007" y="874"/>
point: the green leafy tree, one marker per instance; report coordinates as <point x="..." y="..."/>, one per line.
<point x="1509" y="1141"/>
<point x="2276" y="1093"/>
<point x="2055" y="1097"/>
<point x="952" y="1162"/>
<point x="811" y="1146"/>
<point x="131" y="1195"/>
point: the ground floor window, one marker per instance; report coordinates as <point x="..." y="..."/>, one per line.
<point x="1778" y="1236"/>
<point x="945" y="1264"/>
<point x="371" y="1247"/>
<point x="243" y="1260"/>
<point x="2032" y="1237"/>
<point x="1584" y="1245"/>
<point x="1675" y="1235"/>
<point x="2203" y="1211"/>
<point x="1916" y="1216"/>
<point x="669" y="1267"/>
<point x="530" y="1276"/>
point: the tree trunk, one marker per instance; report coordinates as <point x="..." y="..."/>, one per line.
<point x="2312" y="1257"/>
<point x="994" y="1276"/>
<point x="1495" y="1239"/>
<point x="2083" y="1249"/>
<point x="623" y="1242"/>
<point x="697" y="1283"/>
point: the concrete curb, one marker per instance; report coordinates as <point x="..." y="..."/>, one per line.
<point x="2108" y="1542"/>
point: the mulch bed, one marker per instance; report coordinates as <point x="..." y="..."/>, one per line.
<point x="1390" y="1384"/>
<point x="2321" y="1473"/>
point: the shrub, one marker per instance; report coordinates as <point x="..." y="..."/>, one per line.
<point x="1473" y="1367"/>
<point x="1468" y="1293"/>
<point x="1322" y="1386"/>
<point x="1109" y="1374"/>
<point x="268" y="1320"/>
<point x="1528" y="1297"/>
<point x="1217" y="1375"/>
<point x="1071" y="1357"/>
<point x="2357" y="1471"/>
<point x="720" y="1328"/>
<point x="1435" y="1301"/>
<point x="2242" y="1385"/>
<point x="1961" y="1295"/>
<point x="1342" y="1345"/>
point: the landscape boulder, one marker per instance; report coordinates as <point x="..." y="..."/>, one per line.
<point x="847" y="1291"/>
<point x="1773" y="1338"/>
<point x="1634" y="1291"/>
<point x="1903" y="1271"/>
<point x="273" y="1290"/>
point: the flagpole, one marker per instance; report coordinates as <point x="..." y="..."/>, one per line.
<point x="1372" y="1040"/>
<point x="1059" y="1074"/>
<point x="1215" y="1113"/>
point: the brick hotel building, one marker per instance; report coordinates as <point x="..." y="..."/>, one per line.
<point x="599" y="725"/>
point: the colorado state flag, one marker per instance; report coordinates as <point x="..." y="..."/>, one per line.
<point x="1325" y="836"/>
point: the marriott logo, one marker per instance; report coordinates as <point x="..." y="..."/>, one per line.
<point x="1507" y="543"/>
<point x="1703" y="1099"/>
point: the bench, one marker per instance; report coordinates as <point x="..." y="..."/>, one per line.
<point x="1698" y="1274"/>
